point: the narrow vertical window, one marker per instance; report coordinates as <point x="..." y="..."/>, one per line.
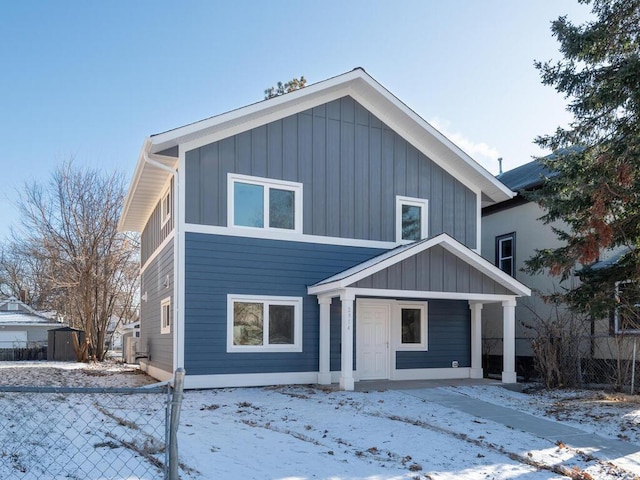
<point x="411" y="219"/>
<point x="165" y="315"/>
<point x="505" y="253"/>
<point x="165" y="207"/>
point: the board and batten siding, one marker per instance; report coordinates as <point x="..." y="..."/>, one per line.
<point x="218" y="265"/>
<point x="154" y="233"/>
<point x="157" y="284"/>
<point x="434" y="270"/>
<point x="351" y="166"/>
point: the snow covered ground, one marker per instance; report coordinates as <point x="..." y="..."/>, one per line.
<point x="307" y="432"/>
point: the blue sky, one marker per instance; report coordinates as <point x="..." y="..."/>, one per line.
<point x="92" y="79"/>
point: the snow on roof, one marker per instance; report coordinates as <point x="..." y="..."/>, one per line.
<point x="20" y="318"/>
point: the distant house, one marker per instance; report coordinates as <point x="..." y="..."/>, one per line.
<point x="328" y="235"/>
<point x="511" y="233"/>
<point x="21" y="326"/>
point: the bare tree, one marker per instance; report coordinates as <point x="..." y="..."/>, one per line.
<point x="69" y="227"/>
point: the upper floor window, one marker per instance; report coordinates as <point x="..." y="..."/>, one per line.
<point x="506" y="253"/>
<point x="165" y="207"/>
<point x="165" y="315"/>
<point x="264" y="203"/>
<point x="411" y="219"/>
<point x="627" y="311"/>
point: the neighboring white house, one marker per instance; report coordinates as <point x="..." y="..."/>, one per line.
<point x="21" y="326"/>
<point x="511" y="233"/>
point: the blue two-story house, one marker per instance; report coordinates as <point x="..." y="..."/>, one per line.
<point x="329" y="235"/>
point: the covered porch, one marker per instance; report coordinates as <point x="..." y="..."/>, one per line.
<point x="414" y="313"/>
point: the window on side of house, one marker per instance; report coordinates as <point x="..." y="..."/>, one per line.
<point x="627" y="312"/>
<point x="412" y="329"/>
<point x="165" y="315"/>
<point x="165" y="207"/>
<point x="255" y="202"/>
<point x="411" y="219"/>
<point x="506" y="253"/>
<point x="264" y="323"/>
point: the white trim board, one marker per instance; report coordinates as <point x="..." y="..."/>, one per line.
<point x="357" y="84"/>
<point x="350" y="276"/>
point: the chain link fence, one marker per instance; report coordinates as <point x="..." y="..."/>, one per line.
<point x="89" y="433"/>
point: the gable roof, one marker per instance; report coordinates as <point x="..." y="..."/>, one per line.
<point x="144" y="191"/>
<point x="16" y="318"/>
<point x="526" y="177"/>
<point x="392" y="257"/>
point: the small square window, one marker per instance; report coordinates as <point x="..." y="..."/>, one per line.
<point x="165" y="316"/>
<point x="271" y="324"/>
<point x="505" y="253"/>
<point x="411" y="219"/>
<point x="264" y="203"/>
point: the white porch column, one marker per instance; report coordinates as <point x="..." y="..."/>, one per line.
<point x="509" y="341"/>
<point x="324" y="372"/>
<point x="346" y="370"/>
<point x="476" y="340"/>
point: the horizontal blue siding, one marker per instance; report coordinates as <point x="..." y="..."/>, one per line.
<point x="217" y="265"/>
<point x="449" y="337"/>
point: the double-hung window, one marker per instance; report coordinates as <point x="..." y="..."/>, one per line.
<point x="411" y="219"/>
<point x="165" y="315"/>
<point x="264" y="323"/>
<point x="627" y="312"/>
<point x="255" y="202"/>
<point x="506" y="253"/>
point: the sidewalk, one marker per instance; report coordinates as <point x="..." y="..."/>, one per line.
<point x="623" y="454"/>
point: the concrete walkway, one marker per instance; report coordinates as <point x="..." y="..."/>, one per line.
<point x="623" y="454"/>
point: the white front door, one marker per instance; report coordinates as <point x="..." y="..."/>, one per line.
<point x="373" y="341"/>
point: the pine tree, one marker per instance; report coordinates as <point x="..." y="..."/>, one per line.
<point x="596" y="192"/>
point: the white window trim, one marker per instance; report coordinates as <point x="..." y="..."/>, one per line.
<point x="423" y="203"/>
<point x="267" y="183"/>
<point x="616" y="317"/>
<point x="165" y="214"/>
<point x="165" y="323"/>
<point x="296" y="302"/>
<point x="397" y="328"/>
<point x="501" y="238"/>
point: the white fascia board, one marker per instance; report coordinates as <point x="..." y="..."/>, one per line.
<point x="265" y="111"/>
<point x="449" y="244"/>
<point x="434" y="144"/>
<point x="145" y="189"/>
<point x="484" y="266"/>
<point x="359" y="274"/>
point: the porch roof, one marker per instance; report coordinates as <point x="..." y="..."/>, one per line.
<point x="461" y="266"/>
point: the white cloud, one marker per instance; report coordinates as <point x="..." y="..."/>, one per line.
<point x="484" y="154"/>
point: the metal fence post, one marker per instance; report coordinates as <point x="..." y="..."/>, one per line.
<point x="176" y="403"/>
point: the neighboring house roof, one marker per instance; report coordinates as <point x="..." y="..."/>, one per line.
<point x="526" y="177"/>
<point x="148" y="179"/>
<point x="387" y="259"/>
<point x="15" y="319"/>
<point x="610" y="261"/>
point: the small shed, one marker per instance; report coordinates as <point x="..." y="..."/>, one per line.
<point x="60" y="345"/>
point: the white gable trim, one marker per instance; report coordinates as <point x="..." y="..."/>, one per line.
<point x="357" y="84"/>
<point x="353" y="275"/>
